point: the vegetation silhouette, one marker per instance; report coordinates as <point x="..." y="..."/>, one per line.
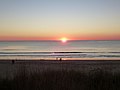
<point x="97" y="79"/>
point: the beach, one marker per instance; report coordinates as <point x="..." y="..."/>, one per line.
<point x="59" y="75"/>
<point x="8" y="68"/>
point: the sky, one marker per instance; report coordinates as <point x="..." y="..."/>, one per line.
<point x="54" y="19"/>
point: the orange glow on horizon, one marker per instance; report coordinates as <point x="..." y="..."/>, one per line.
<point x="62" y="39"/>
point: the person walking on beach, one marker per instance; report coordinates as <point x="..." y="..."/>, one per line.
<point x="60" y="59"/>
<point x="13" y="61"/>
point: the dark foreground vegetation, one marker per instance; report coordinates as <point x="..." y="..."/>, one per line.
<point x="62" y="80"/>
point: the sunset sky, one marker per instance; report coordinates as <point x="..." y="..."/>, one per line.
<point x="54" y="19"/>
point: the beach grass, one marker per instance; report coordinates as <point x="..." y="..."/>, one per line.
<point x="97" y="79"/>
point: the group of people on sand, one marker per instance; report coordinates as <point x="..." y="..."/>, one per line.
<point x="60" y="59"/>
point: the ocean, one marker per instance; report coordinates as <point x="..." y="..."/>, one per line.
<point x="69" y="50"/>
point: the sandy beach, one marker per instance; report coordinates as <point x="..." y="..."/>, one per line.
<point x="8" y="69"/>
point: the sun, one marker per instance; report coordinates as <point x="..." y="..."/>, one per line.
<point x="64" y="39"/>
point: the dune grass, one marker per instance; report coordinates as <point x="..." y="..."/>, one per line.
<point x="62" y="80"/>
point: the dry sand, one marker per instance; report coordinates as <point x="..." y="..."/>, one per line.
<point x="8" y="69"/>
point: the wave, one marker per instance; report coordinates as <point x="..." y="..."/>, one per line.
<point x="50" y="52"/>
<point x="62" y="54"/>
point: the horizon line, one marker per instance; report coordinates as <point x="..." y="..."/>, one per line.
<point x="60" y="40"/>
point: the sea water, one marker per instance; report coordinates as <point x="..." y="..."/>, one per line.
<point x="57" y="49"/>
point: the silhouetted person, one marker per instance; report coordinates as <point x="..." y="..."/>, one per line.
<point x="13" y="61"/>
<point x="60" y="59"/>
